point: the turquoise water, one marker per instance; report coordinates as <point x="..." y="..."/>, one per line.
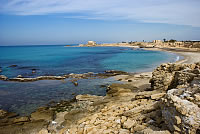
<point x="24" y="98"/>
<point x="58" y="60"/>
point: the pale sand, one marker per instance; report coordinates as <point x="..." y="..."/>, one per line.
<point x="141" y="80"/>
<point x="189" y="57"/>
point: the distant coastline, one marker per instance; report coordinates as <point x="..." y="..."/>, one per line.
<point x="190" y="50"/>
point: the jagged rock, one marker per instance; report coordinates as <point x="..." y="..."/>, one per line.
<point x="180" y="114"/>
<point x="2" y="113"/>
<point x="169" y="76"/>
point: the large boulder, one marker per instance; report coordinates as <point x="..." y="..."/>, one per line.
<point x="168" y="76"/>
<point x="179" y="111"/>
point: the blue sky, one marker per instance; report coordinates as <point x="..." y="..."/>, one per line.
<point x="29" y="22"/>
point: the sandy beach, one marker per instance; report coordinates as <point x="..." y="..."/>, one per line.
<point x="189" y="56"/>
<point x="141" y="80"/>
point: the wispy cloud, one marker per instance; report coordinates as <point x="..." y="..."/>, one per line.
<point x="180" y="12"/>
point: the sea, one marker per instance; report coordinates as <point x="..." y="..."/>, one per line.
<point x="25" y="97"/>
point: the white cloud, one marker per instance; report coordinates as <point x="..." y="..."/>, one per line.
<point x="180" y="12"/>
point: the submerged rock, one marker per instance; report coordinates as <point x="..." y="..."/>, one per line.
<point x="13" y="65"/>
<point x="75" y="83"/>
<point x="33" y="71"/>
<point x="3" y="77"/>
<point x="19" y="76"/>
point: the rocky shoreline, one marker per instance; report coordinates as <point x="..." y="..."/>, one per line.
<point x="106" y="74"/>
<point x="170" y="105"/>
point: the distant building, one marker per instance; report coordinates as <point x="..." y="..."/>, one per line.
<point x="157" y="41"/>
<point x="92" y="43"/>
<point x="179" y="43"/>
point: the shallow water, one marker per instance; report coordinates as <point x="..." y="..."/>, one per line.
<point x="58" y="60"/>
<point x="24" y="98"/>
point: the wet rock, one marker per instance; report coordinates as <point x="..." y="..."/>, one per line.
<point x="74" y="115"/>
<point x="6" y="118"/>
<point x="27" y="128"/>
<point x="33" y="71"/>
<point x="88" y="97"/>
<point x="3" y="77"/>
<point x="117" y="89"/>
<point x="43" y="114"/>
<point x="13" y="65"/>
<point x="3" y="113"/>
<point x="21" y="119"/>
<point x="19" y="76"/>
<point x="103" y="86"/>
<point x="115" y="72"/>
<point x="75" y="83"/>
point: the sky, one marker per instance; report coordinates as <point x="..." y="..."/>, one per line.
<point x="42" y="22"/>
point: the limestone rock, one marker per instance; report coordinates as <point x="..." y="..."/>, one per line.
<point x="88" y="97"/>
<point x="129" y="123"/>
<point x="179" y="113"/>
<point x="43" y="114"/>
<point x="43" y="131"/>
<point x="124" y="131"/>
<point x="21" y="119"/>
<point x="157" y="96"/>
<point x="2" y="113"/>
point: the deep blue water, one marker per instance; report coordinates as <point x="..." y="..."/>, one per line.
<point x="24" y="98"/>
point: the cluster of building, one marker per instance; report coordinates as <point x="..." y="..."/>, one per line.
<point x="174" y="43"/>
<point x="154" y="43"/>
